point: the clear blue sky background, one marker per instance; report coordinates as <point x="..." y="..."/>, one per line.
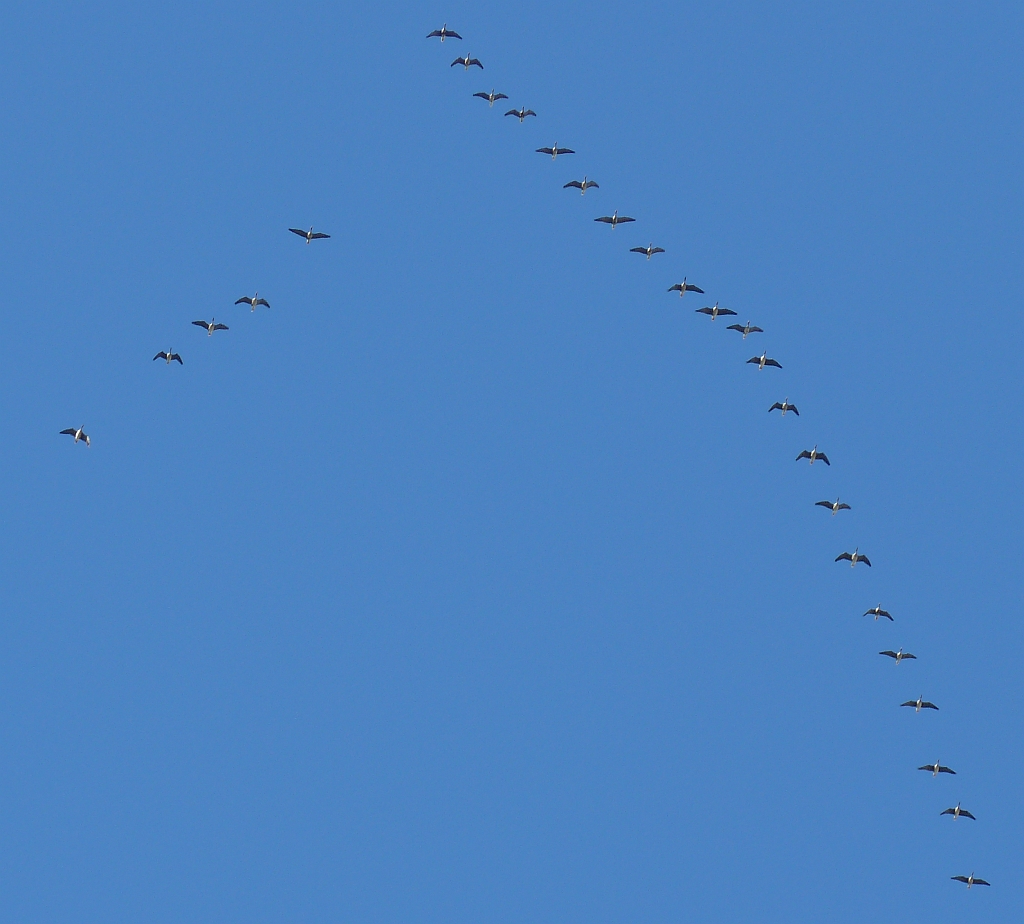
<point x="473" y="581"/>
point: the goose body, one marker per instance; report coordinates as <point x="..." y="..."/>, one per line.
<point x="919" y="704"/>
<point x="309" y="235"/>
<point x="784" y="406"/>
<point x="853" y="557"/>
<point x="649" y="251"/>
<point x="79" y="434"/>
<point x="683" y="287"/>
<point x="253" y="302"/>
<point x="614" y="219"/>
<point x="813" y="455"/>
<point x="581" y="186"/>
<point x="170" y="357"/>
<point x="491" y="97"/>
<point x="834" y="507"/>
<point x="713" y="311"/>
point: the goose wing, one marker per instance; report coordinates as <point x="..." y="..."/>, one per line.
<point x="906" y="656"/>
<point x="319" y="236"/>
<point x="448" y="34"/>
<point x="678" y="287"/>
<point x="71" y="431"/>
<point x="638" y="250"/>
<point x="202" y="324"/>
<point x="949" y="811"/>
<point x="754" y="330"/>
<point x="721" y="311"/>
<point x="829" y="505"/>
<point x="575" y="184"/>
<point x="263" y="301"/>
<point x="753" y="359"/>
<point x="486" y="96"/>
<point x="592" y="185"/>
<point x="965" y="814"/>
<point x="739" y="327"/>
<point x="693" y="288"/>
<point x="244" y="300"/>
<point x="820" y="455"/>
<point x="889" y="654"/>
<point x="704" y="310"/>
<point x="909" y="702"/>
<point x="929" y="706"/>
<point x="514" y="112"/>
<point x="965" y="879"/>
<point x="980" y="882"/>
<point x="435" y="33"/>
<point x="607" y="219"/>
<point x="220" y="327"/>
<point x="160" y="356"/>
<point x="498" y="96"/>
<point x="846" y="556"/>
<point x="947" y="770"/>
<point x="658" y="250"/>
<point x="806" y="453"/>
<point x="864" y="559"/>
<point x="473" y="61"/>
<point x="929" y="767"/>
<point x="777" y="406"/>
<point x="564" y="151"/>
<point x="298" y="232"/>
<point x="530" y="112"/>
<point x="461" y="61"/>
<point x="848" y="507"/>
<point x="793" y="409"/>
<point x="778" y="365"/>
<point x="549" y="151"/>
<point x="176" y="357"/>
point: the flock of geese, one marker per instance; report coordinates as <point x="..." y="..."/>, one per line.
<point x="763" y="361"/>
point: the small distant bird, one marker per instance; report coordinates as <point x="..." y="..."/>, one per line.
<point x="970" y="880"/>
<point x="491" y="97"/>
<point x="170" y="357"/>
<point x="614" y="219"/>
<point x="813" y="454"/>
<point x="79" y="435"/>
<point x="650" y="250"/>
<point x="853" y="557"/>
<point x="443" y="33"/>
<point x="683" y="287"/>
<point x="521" y="114"/>
<point x="784" y="406"/>
<point x="900" y="655"/>
<point x="309" y="235"/>
<point x="920" y="704"/>
<point x="253" y="302"/>
<point x="713" y="311"/>
<point x="555" y="150"/>
<point x="878" y="611"/>
<point x="210" y="326"/>
<point x="467" y="62"/>
<point x="956" y="812"/>
<point x="745" y="329"/>
<point x="937" y="768"/>
<point x="763" y="359"/>
<point x="834" y="507"/>
<point x="582" y="187"/>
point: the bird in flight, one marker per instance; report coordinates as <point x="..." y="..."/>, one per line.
<point x="467" y="62"/>
<point x="713" y="310"/>
<point x="784" y="406"/>
<point x="521" y="114"/>
<point x="491" y="97"/>
<point x="763" y="359"/>
<point x="582" y="187"/>
<point x="878" y="611"/>
<point x="920" y="704"/>
<point x="308" y="235"/>
<point x="900" y="655"/>
<point x="169" y="357"/>
<point x="956" y="812"/>
<point x="970" y="880"/>
<point x="79" y="435"/>
<point x="650" y="250"/>
<point x="614" y="219"/>
<point x="812" y="454"/>
<point x="683" y="287"/>
<point x="853" y="558"/>
<point x="745" y="329"/>
<point x="937" y="768"/>
<point x="834" y="507"/>
<point x="443" y="33"/>
<point x="555" y="150"/>
<point x="210" y="326"/>
<point x="253" y="302"/>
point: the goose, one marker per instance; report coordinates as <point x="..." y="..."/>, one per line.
<point x="170" y="357"/>
<point x="745" y="329"/>
<point x="491" y="97"/>
<point x="521" y="114"/>
<point x="970" y="880"/>
<point x="582" y="187"/>
<point x="210" y="326"/>
<point x="713" y="311"/>
<point x="878" y="611"/>
<point x="650" y="250"/>
<point x="443" y="33"/>
<point x="683" y="287"/>
<point x="80" y="435"/>
<point x="812" y="454"/>
<point x="919" y="704"/>
<point x="900" y="655"/>
<point x="555" y="150"/>
<point x="309" y="235"/>
<point x="853" y="558"/>
<point x="834" y="507"/>
<point x="614" y="219"/>
<point x="956" y="812"/>
<point x="253" y="302"/>
<point x="467" y="62"/>
<point x="784" y="406"/>
<point x="763" y="359"/>
<point x="937" y="768"/>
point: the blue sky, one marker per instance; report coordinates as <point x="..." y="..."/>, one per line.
<point x="472" y="581"/>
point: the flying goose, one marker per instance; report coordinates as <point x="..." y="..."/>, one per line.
<point x="713" y="311"/>
<point x="582" y="187"/>
<point x="745" y="329"/>
<point x="555" y="150"/>
<point x="521" y="114"/>
<point x="491" y="97"/>
<point x="956" y="812"/>
<point x="683" y="287"/>
<point x="253" y="302"/>
<point x="614" y="219"/>
<point x="834" y="507"/>
<point x="900" y="655"/>
<point x="811" y="454"/>
<point x="170" y="357"/>
<point x="308" y="235"/>
<point x="210" y="326"/>
<point x="443" y="33"/>
<point x="970" y="880"/>
<point x="467" y="62"/>
<point x="919" y="704"/>
<point x="784" y="406"/>
<point x="878" y="611"/>
<point x="79" y="435"/>
<point x="763" y="359"/>
<point x="853" y="558"/>
<point x="650" y="250"/>
<point x="937" y="768"/>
